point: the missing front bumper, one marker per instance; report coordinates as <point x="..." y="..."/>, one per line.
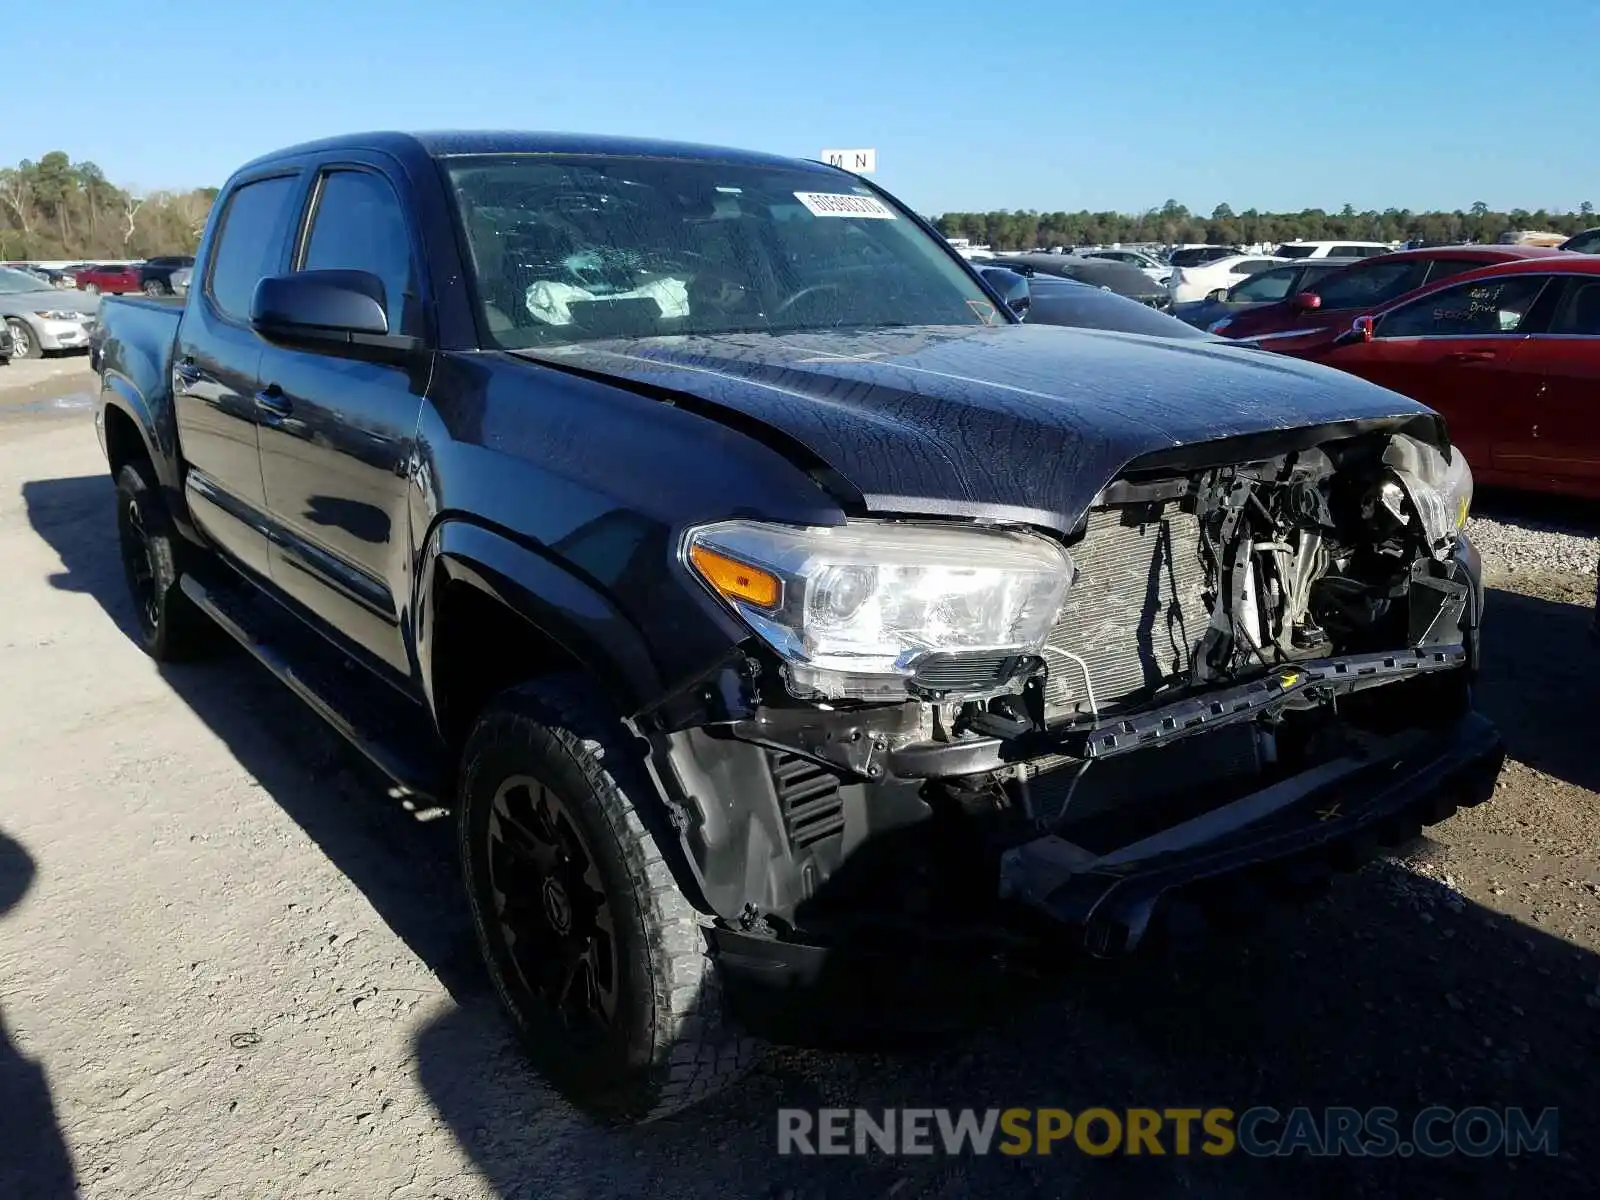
<point x="1316" y="821"/>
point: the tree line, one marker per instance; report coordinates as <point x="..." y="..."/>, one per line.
<point x="1174" y="223"/>
<point x="58" y="209"/>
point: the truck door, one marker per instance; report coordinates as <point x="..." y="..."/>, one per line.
<point x="214" y="368"/>
<point x="338" y="432"/>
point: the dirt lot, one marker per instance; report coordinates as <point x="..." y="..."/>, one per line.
<point x="230" y="966"/>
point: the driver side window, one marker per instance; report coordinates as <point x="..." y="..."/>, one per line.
<point x="359" y="225"/>
<point x="1367" y="285"/>
<point x="1485" y="307"/>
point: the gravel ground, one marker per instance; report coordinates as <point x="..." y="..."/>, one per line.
<point x="1519" y="534"/>
<point x="231" y="966"/>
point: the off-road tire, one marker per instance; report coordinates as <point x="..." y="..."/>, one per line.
<point x="171" y="628"/>
<point x="671" y="1042"/>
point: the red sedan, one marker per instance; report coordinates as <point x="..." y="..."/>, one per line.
<point x="1509" y="354"/>
<point x="106" y="278"/>
<point x="1327" y="311"/>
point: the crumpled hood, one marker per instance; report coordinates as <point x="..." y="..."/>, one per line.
<point x="1017" y="422"/>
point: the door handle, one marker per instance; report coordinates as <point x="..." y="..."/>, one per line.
<point x="271" y="399"/>
<point x="186" y="371"/>
<point x="1470" y="356"/>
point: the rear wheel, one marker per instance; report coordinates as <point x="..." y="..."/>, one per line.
<point x="24" y="342"/>
<point x="171" y="628"/>
<point x="594" y="952"/>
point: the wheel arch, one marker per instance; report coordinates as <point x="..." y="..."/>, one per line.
<point x="492" y="613"/>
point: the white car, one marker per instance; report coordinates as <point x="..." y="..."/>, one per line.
<point x="1148" y="263"/>
<point x="1196" y="283"/>
<point x="1332" y="249"/>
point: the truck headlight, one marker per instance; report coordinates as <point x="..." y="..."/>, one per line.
<point x="857" y="610"/>
<point x="1440" y="488"/>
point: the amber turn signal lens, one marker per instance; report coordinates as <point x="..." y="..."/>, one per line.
<point x="736" y="580"/>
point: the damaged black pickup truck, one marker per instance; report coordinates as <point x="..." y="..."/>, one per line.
<point x="760" y="593"/>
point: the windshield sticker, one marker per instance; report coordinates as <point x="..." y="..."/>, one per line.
<point x="835" y="204"/>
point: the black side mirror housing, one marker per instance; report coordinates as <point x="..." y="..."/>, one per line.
<point x="333" y="311"/>
<point x="1012" y="286"/>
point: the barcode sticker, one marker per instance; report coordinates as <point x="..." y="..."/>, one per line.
<point x="839" y="204"/>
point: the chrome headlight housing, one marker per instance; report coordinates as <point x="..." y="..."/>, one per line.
<point x="1439" y="487"/>
<point x="61" y="314"/>
<point x="857" y="610"/>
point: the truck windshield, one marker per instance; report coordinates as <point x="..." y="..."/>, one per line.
<point x="575" y="248"/>
<point x="20" y="281"/>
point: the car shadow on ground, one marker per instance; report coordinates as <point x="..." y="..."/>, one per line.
<point x="1393" y="990"/>
<point x="34" y="1160"/>
<point x="1540" y="510"/>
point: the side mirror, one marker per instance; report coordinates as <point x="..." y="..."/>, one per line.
<point x="1217" y="294"/>
<point x="1307" y="301"/>
<point x="328" y="310"/>
<point x="1360" y="331"/>
<point x="1013" y="287"/>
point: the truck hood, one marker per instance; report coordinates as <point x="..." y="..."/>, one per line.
<point x="1014" y="422"/>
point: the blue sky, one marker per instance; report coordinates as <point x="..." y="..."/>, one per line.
<point x="1415" y="103"/>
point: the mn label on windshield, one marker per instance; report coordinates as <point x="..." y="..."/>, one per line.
<point x="838" y="204"/>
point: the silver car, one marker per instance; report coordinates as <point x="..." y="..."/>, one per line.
<point x="41" y="317"/>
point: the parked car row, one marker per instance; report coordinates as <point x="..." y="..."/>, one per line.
<point x="1502" y="340"/>
<point x="153" y="277"/>
<point x="39" y="317"/>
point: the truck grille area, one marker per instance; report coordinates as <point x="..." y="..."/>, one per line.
<point x="1135" y="614"/>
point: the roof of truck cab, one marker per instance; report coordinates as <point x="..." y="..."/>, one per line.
<point x="448" y="143"/>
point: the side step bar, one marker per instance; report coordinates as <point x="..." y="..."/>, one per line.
<point x="392" y="739"/>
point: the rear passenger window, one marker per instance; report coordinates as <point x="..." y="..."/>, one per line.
<point x="250" y="243"/>
<point x="359" y="226"/>
<point x="1252" y="265"/>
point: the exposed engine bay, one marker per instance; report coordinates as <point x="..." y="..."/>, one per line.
<point x="1207" y="578"/>
<point x="1234" y="638"/>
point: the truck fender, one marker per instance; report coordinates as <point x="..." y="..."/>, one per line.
<point x="557" y="603"/>
<point x="150" y="411"/>
<point x="562" y="607"/>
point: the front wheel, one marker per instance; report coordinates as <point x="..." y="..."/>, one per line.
<point x="92" y="288"/>
<point x="24" y="342"/>
<point x="154" y="287"/>
<point x="171" y="628"/>
<point x="595" y="954"/>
